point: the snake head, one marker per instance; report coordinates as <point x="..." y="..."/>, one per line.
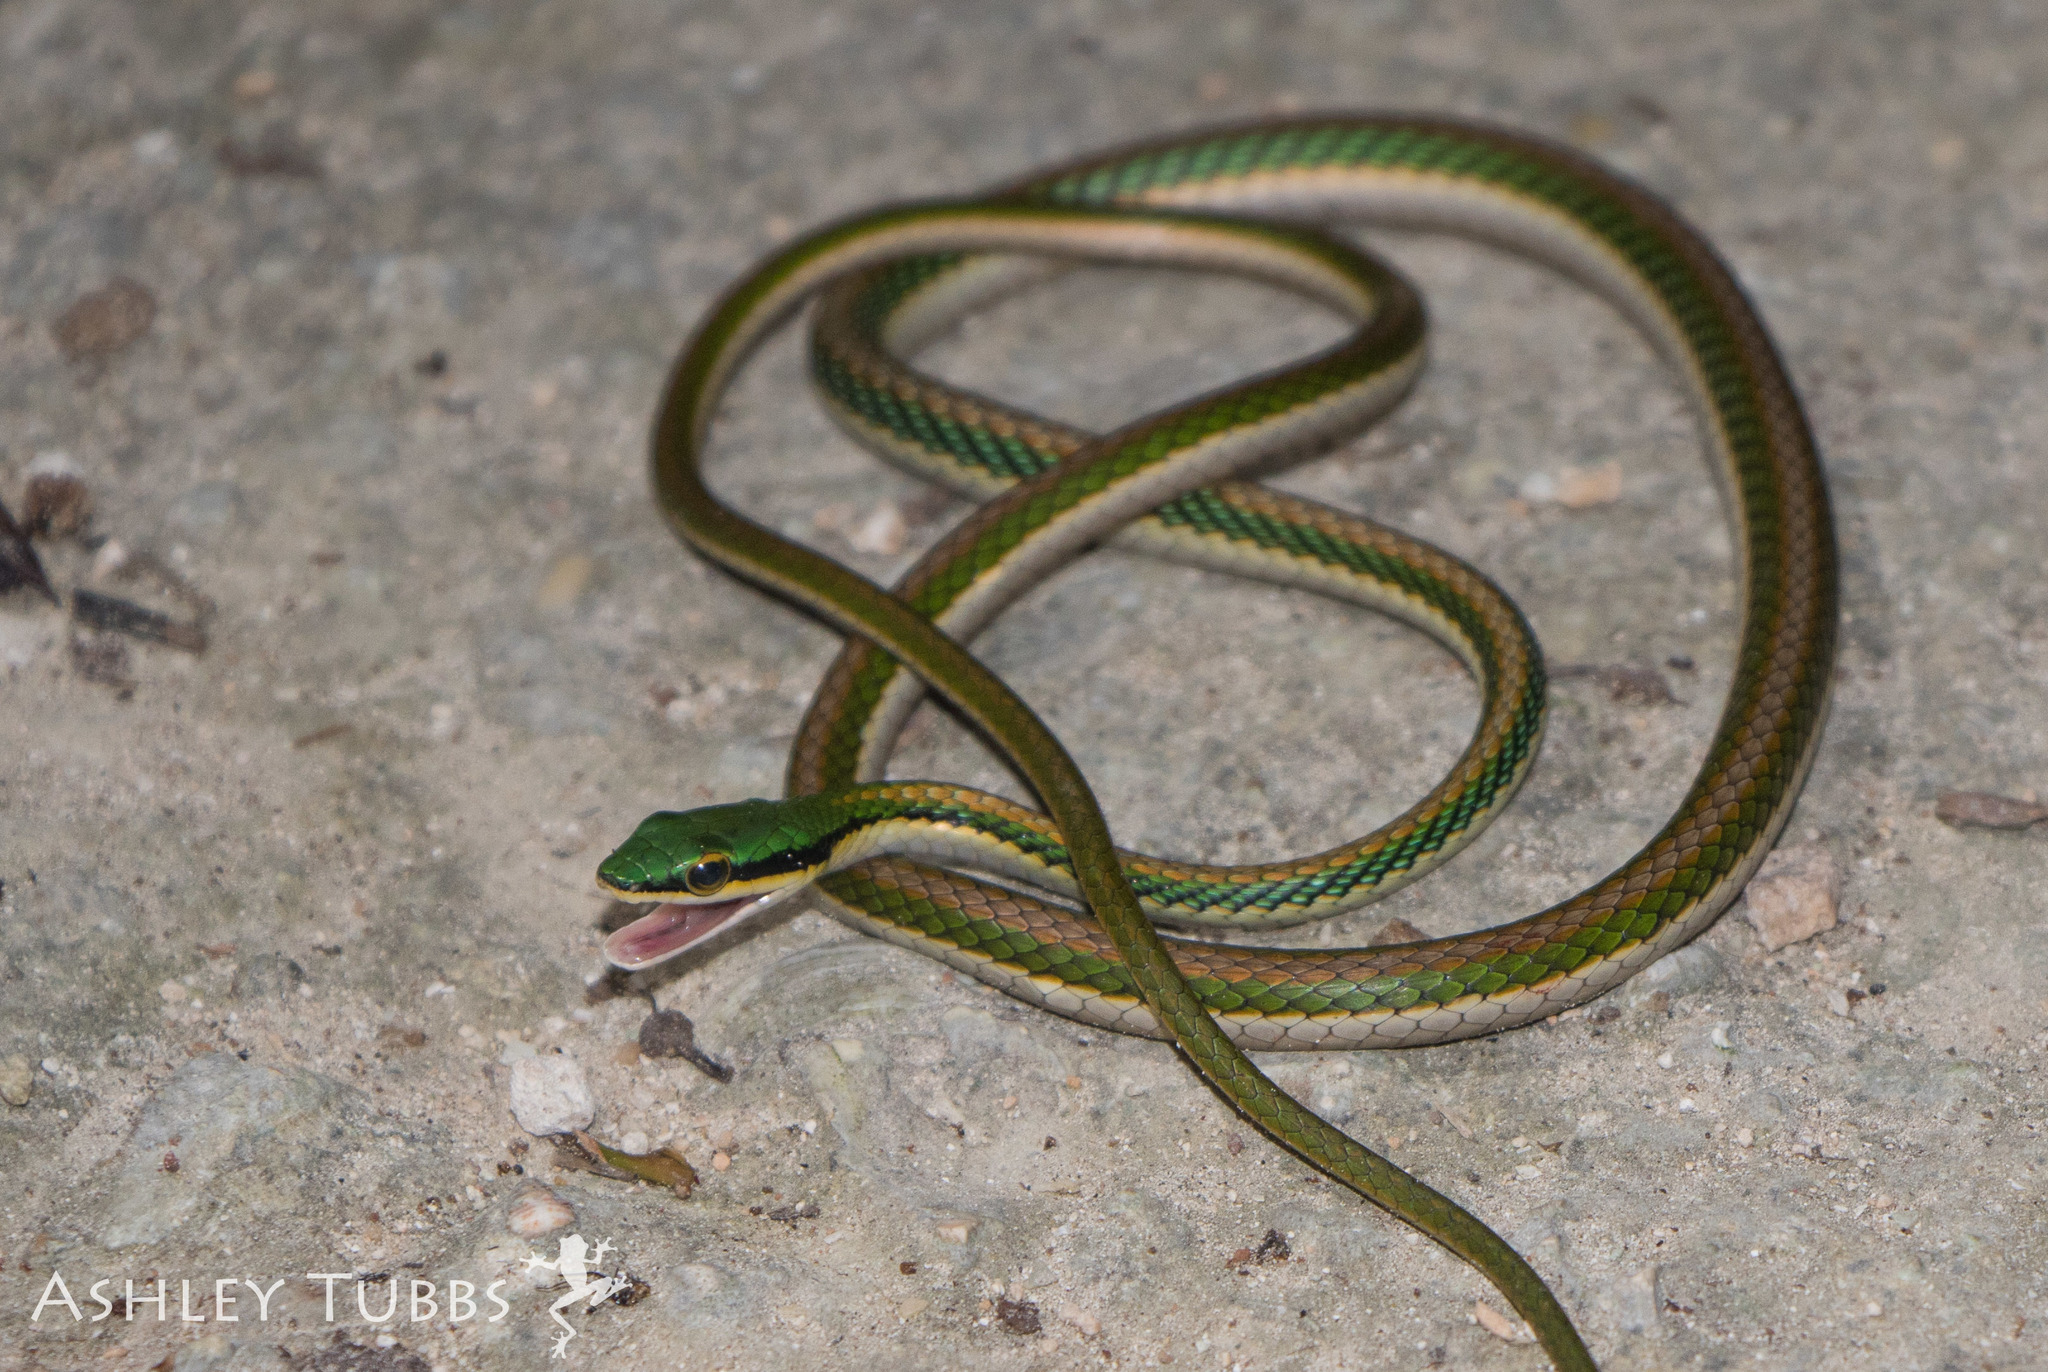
<point x="707" y="870"/>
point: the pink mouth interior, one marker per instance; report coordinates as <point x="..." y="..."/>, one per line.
<point x="668" y="931"/>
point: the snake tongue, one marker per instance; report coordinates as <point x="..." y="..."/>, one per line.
<point x="667" y="932"/>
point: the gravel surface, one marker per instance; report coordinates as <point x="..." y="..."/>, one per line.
<point x="329" y="335"/>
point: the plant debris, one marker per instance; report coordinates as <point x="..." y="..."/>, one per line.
<point x="1272" y="1248"/>
<point x="104" y="659"/>
<point x="631" y="1292"/>
<point x="119" y="616"/>
<point x="1982" y="810"/>
<point x="669" y="1034"/>
<point x="787" y="1214"/>
<point x="665" y="1166"/>
<point x="1019" y="1317"/>
<point x="101" y="323"/>
<point x="19" y="565"/>
<point x="1627" y="685"/>
<point x="274" y="156"/>
<point x="331" y="732"/>
<point x="345" y="1355"/>
<point x="58" y="504"/>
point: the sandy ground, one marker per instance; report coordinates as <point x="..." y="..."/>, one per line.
<point x="281" y="918"/>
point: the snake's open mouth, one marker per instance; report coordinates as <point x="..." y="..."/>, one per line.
<point x="675" y="928"/>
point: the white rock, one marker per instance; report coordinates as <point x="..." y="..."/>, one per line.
<point x="549" y="1095"/>
<point x="1794" y="896"/>
<point x="882" y="532"/>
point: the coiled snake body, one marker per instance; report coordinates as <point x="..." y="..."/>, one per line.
<point x="977" y="881"/>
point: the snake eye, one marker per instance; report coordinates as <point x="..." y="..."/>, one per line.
<point x="708" y="874"/>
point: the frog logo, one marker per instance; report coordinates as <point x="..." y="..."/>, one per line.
<point x="572" y="1261"/>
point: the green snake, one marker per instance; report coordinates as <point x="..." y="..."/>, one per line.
<point x="1044" y="906"/>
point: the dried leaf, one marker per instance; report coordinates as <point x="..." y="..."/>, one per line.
<point x="1982" y="810"/>
<point x="19" y="565"/>
<point x="126" y="617"/>
<point x="665" y="1166"/>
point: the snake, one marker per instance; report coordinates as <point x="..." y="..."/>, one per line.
<point x="1040" y="902"/>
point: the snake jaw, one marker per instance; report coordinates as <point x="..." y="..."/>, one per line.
<point x="675" y="927"/>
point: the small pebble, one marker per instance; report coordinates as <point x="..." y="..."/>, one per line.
<point x="1082" y="1321"/>
<point x="720" y="1161"/>
<point x="1581" y="488"/>
<point x="912" y="1308"/>
<point x="1745" y="1138"/>
<point x="101" y="323"/>
<point x="157" y="148"/>
<point x="565" y="582"/>
<point x="549" y="1095"/>
<point x="16" y="1079"/>
<point x="1794" y="896"/>
<point x="111" y="558"/>
<point x="1499" y="1325"/>
<point x="1838" y="1002"/>
<point x="882" y="533"/>
<point x="538" y="1212"/>
<point x="1397" y="930"/>
<point x="173" y="992"/>
<point x="954" y="1231"/>
<point x="633" y="1141"/>
<point x="254" y="85"/>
